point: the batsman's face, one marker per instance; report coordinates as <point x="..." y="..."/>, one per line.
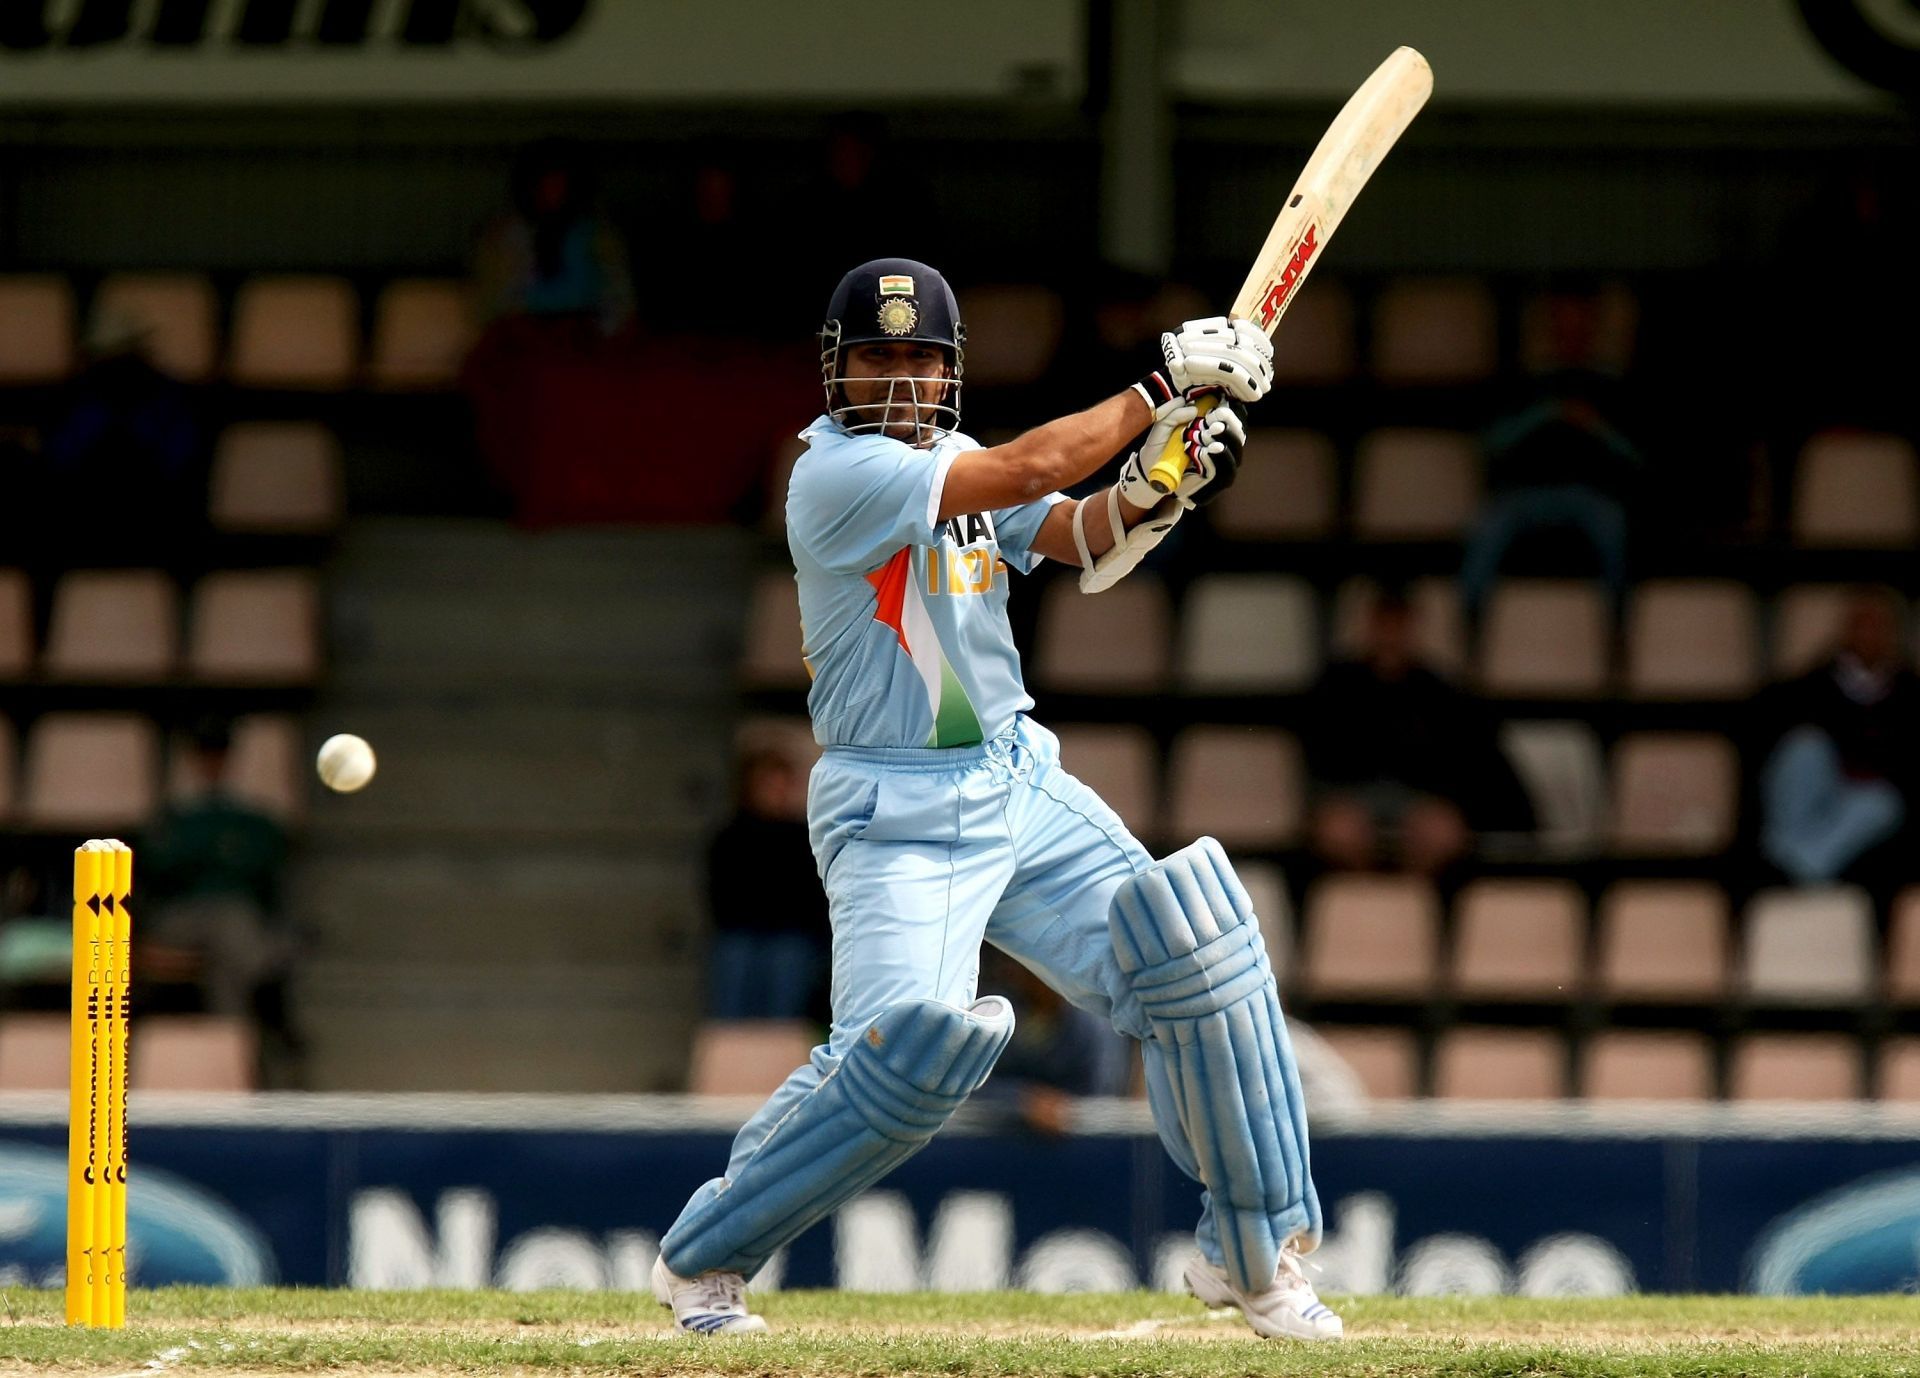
<point x="895" y="382"/>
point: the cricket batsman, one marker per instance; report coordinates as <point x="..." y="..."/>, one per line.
<point x="940" y="815"/>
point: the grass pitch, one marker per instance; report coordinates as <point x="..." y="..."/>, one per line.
<point x="994" y="1335"/>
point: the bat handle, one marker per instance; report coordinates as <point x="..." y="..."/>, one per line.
<point x="1172" y="465"/>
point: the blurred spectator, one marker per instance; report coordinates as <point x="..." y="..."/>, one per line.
<point x="1845" y="758"/>
<point x="865" y="200"/>
<point x="210" y="875"/>
<point x="1561" y="460"/>
<point x="770" y="933"/>
<point x="1059" y="1052"/>
<point x="554" y="254"/>
<point x="1405" y="766"/>
<point x="36" y="945"/>
<point x="125" y="457"/>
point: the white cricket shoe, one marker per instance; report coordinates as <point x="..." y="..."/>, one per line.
<point x="1288" y="1310"/>
<point x="710" y="1304"/>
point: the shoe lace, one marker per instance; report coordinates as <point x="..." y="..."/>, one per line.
<point x="1291" y="1276"/>
<point x="721" y="1291"/>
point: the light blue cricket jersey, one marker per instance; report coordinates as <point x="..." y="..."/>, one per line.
<point x="904" y="619"/>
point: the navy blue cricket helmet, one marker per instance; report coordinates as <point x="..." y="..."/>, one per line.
<point x="892" y="300"/>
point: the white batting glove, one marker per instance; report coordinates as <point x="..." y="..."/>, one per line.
<point x="1212" y="443"/>
<point x="1234" y="356"/>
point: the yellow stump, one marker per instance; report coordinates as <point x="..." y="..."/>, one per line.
<point x="97" y="1103"/>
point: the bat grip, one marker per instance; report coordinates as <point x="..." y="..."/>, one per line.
<point x="1172" y="465"/>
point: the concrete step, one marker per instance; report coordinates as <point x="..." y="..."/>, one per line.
<point x="460" y="904"/>
<point x="489" y="607"/>
<point x="581" y="1028"/>
<point x="650" y="776"/>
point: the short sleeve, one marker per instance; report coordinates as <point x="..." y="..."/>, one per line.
<point x="1015" y="528"/>
<point x="854" y="500"/>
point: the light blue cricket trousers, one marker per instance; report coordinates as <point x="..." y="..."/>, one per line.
<point x="925" y="853"/>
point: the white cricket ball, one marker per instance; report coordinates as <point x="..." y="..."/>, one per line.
<point x="345" y="763"/>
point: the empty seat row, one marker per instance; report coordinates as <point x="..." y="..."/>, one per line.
<point x="1851" y="488"/>
<point x="1652" y="942"/>
<point x="166" y="1052"/>
<point x="1625" y="1064"/>
<point x="95" y="772"/>
<point x="125" y="626"/>
<point x="1684" y="639"/>
<point x="1659" y="794"/>
<point x="1424" y="331"/>
<point x="301" y="332"/>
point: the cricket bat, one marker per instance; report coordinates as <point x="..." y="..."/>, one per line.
<point x="1359" y="137"/>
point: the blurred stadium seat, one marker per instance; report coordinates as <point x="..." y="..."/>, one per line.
<point x="1903" y="949"/>
<point x="1267" y="891"/>
<point x="266" y="766"/>
<point x="178" y="311"/>
<point x="36" y="329"/>
<point x="1794" y="1067"/>
<point x="1806" y="626"/>
<point x="1673" y="793"/>
<point x="35" y="1051"/>
<point x="1287" y="488"/>
<point x="1692" y="639"/>
<point x="1638" y="1064"/>
<point x="1615" y="332"/>
<point x="1248" y="633"/>
<point x="1439" y="625"/>
<point x="1386" y="1060"/>
<point x="1414" y="485"/>
<point x="1119" y="763"/>
<point x="1519" y="940"/>
<point x="1436" y="330"/>
<point x="1545" y="638"/>
<point x="422" y="330"/>
<point x="1559" y="763"/>
<point x="1013" y="333"/>
<point x="1114" y="642"/>
<point x="773" y="657"/>
<point x="1900" y="1069"/>
<point x="1663" y="941"/>
<point x="1316" y="347"/>
<point x="278" y="477"/>
<point x="255" y="627"/>
<point x="1371" y="936"/>
<point x="1809" y="946"/>
<point x="113" y="624"/>
<point x="1241" y="785"/>
<point x="194" y="1052"/>
<point x="746" y="1057"/>
<point x="1856" y="489"/>
<point x="91" y="771"/>
<point x="295" y="332"/>
<point x="1499" y="1064"/>
<point x="16" y="624"/>
<point x="9" y="767"/>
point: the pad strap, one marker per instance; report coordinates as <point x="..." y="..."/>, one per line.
<point x="1130" y="543"/>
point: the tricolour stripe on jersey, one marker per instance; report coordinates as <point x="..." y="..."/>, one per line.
<point x="900" y="607"/>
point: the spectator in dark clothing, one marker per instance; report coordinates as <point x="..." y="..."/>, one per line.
<point x="126" y="454"/>
<point x="1561" y="460"/>
<point x="1397" y="754"/>
<point x="211" y="867"/>
<point x="1058" y="1053"/>
<point x="554" y="254"/>
<point x="769" y="910"/>
<point x="1845" y="758"/>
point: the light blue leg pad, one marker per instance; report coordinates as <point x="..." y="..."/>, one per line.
<point x="1185" y="935"/>
<point x="895" y="1087"/>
